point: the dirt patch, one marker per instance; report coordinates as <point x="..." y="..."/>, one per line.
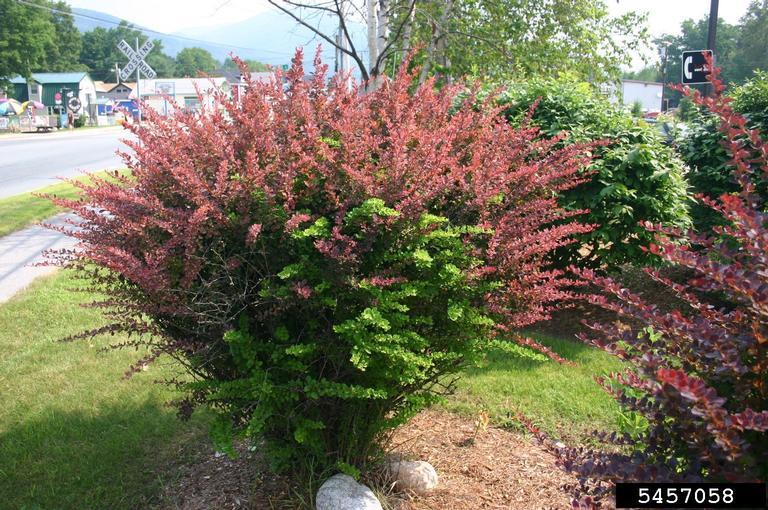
<point x="217" y="481"/>
<point x="493" y="468"/>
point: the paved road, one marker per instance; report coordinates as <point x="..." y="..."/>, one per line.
<point x="30" y="162"/>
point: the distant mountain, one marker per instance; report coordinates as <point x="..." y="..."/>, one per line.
<point x="273" y="37"/>
<point x="270" y="37"/>
<point x="86" y="19"/>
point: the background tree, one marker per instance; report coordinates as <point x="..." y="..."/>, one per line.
<point x="753" y="40"/>
<point x="63" y="51"/>
<point x="25" y="35"/>
<point x="100" y="54"/>
<point x="496" y="38"/>
<point x="740" y="48"/>
<point x="193" y="61"/>
<point x="253" y="65"/>
<point x="97" y="55"/>
<point x="388" y="22"/>
<point x="693" y="36"/>
<point x="500" y="38"/>
<point x="648" y="73"/>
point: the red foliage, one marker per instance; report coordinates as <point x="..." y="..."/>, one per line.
<point x="195" y="244"/>
<point x="699" y="376"/>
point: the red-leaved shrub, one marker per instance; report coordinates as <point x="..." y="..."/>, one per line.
<point x="319" y="259"/>
<point x="697" y="383"/>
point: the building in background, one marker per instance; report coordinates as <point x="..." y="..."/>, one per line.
<point x="237" y="84"/>
<point x="166" y="94"/>
<point x="115" y="91"/>
<point x="43" y="87"/>
<point x="647" y="93"/>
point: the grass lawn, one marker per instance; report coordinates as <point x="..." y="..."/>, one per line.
<point x="20" y="211"/>
<point x="73" y="433"/>
<point x="563" y="400"/>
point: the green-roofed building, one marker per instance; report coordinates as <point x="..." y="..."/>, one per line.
<point x="44" y="86"/>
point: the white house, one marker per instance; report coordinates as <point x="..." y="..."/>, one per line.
<point x="161" y="93"/>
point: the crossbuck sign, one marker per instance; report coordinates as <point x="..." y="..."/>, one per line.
<point x="136" y="60"/>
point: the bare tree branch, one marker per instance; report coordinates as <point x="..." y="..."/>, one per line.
<point x="352" y="52"/>
<point x="318" y="7"/>
<point x="407" y="19"/>
<point x="337" y="12"/>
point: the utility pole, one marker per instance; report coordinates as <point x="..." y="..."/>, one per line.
<point x="138" y="81"/>
<point x="342" y="59"/>
<point x="338" y="63"/>
<point x="664" y="53"/>
<point x="712" y="36"/>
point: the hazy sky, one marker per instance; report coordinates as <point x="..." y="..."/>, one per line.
<point x="173" y="15"/>
<point x="664" y="16"/>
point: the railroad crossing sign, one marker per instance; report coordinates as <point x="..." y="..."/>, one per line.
<point x="136" y="60"/>
<point x="695" y="68"/>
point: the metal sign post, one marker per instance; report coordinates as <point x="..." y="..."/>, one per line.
<point x="136" y="62"/>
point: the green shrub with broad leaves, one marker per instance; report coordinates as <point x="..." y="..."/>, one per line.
<point x="701" y="146"/>
<point x="635" y="176"/>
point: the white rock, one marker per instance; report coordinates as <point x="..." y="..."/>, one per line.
<point x="342" y="492"/>
<point x="415" y="476"/>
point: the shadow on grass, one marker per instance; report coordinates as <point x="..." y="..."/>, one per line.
<point x="571" y="350"/>
<point x="117" y="457"/>
<point x="564" y="400"/>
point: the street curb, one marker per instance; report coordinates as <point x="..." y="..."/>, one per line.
<point x="57" y="134"/>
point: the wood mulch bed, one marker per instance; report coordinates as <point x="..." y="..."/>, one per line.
<point x="479" y="468"/>
<point x="492" y="468"/>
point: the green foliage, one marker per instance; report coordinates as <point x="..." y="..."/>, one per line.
<point x="648" y="73"/>
<point x="253" y="65"/>
<point x="753" y="40"/>
<point x="751" y="100"/>
<point x="686" y="110"/>
<point x="701" y="146"/>
<point x="63" y="53"/>
<point x="26" y="33"/>
<point x="636" y="177"/>
<point x="637" y="109"/>
<point x="339" y="387"/>
<point x="192" y="62"/>
<point x="100" y="53"/>
<point x="502" y="38"/>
